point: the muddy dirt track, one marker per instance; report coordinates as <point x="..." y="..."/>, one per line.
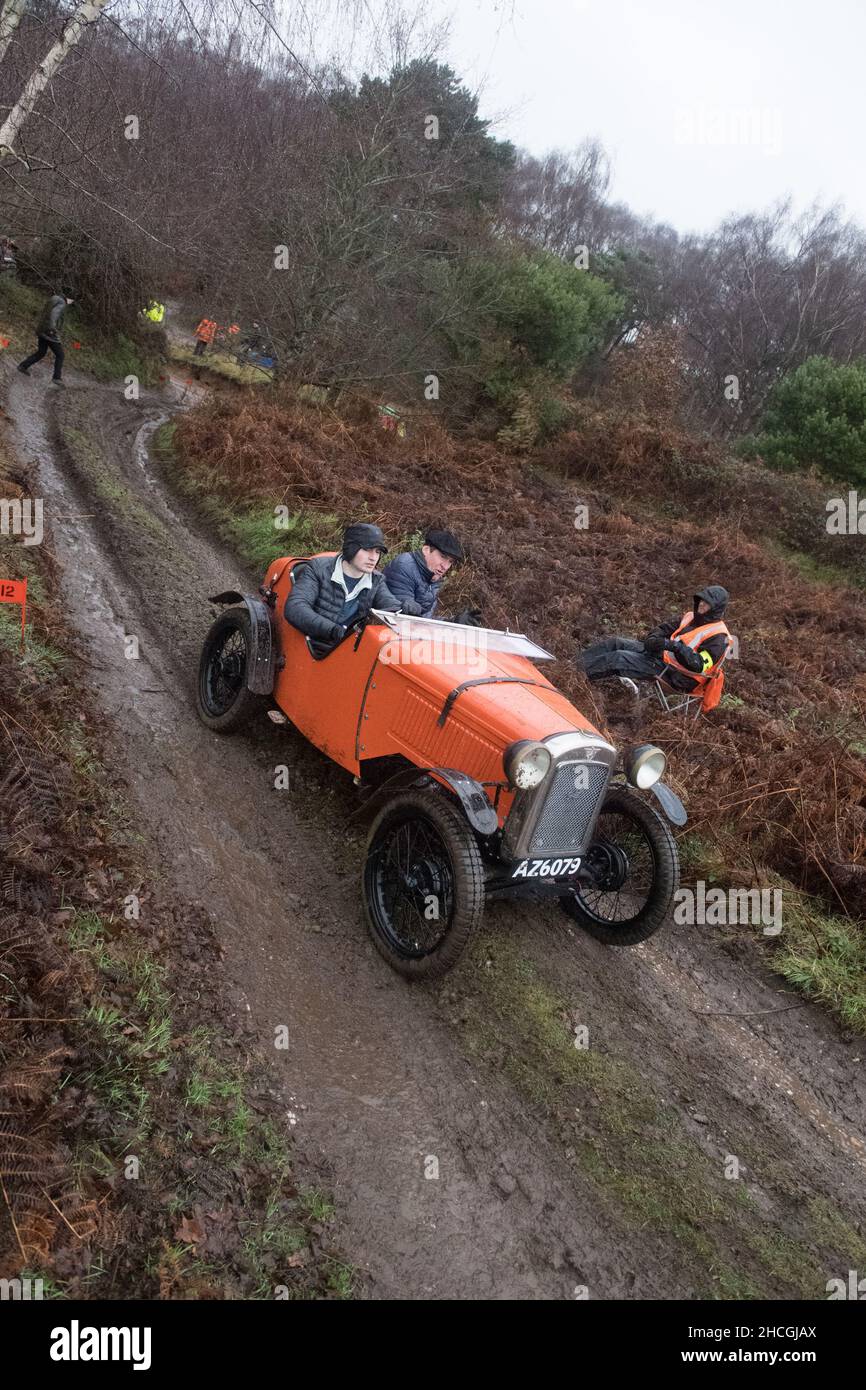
<point x="380" y="1077"/>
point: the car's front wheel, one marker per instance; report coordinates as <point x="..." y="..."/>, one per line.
<point x="423" y="884"/>
<point x="222" y="697"/>
<point x="633" y="858"/>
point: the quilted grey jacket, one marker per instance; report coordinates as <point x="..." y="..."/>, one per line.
<point x="316" y="601"/>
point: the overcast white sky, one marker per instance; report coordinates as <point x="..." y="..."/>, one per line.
<point x="706" y="106"/>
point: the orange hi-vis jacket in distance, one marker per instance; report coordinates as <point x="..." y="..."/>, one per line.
<point x="695" y="638"/>
<point x="206" y="330"/>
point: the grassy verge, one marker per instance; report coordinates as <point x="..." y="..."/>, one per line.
<point x="222" y="364"/>
<point x="20" y="307"/>
<point x="116" y="358"/>
<point x="818" y="570"/>
<point x="820" y="952"/>
<point x="178" y="1117"/>
<point x="38" y="656"/>
<point x="824" y="955"/>
<point x="256" y="533"/>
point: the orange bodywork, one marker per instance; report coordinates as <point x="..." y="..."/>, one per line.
<point x="386" y="698"/>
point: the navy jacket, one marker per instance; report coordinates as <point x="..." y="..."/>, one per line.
<point x="408" y="578"/>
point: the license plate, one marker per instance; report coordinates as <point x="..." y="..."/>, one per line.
<point x="545" y="868"/>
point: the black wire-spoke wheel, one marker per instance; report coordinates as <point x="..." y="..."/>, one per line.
<point x="635" y="872"/>
<point x="223" y="699"/>
<point x="423" y="884"/>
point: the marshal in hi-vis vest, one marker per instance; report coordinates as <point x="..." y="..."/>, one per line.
<point x="695" y="638"/>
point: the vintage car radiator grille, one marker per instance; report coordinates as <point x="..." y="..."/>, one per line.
<point x="568" y="810"/>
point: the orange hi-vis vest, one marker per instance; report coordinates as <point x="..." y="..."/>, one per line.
<point x="695" y="639"/>
<point x="206" y="330"/>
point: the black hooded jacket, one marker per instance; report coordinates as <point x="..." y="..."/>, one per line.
<point x="717" y="598"/>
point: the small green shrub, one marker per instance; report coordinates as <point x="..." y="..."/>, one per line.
<point x="817" y="418"/>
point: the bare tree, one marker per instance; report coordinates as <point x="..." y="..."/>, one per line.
<point x="87" y="13"/>
<point x="759" y="296"/>
<point x="555" y="202"/>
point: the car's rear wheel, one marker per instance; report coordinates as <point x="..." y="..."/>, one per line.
<point x="423" y="884"/>
<point x="222" y="698"/>
<point x="634" y="858"/>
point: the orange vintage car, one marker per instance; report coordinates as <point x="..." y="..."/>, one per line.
<point x="484" y="781"/>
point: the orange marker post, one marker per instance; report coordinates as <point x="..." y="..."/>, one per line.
<point x="15" y="591"/>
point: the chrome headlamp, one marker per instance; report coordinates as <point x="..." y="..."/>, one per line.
<point x="644" y="765"/>
<point x="526" y="764"/>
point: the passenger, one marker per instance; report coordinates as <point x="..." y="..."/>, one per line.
<point x="685" y="651"/>
<point x="418" y="575"/>
<point x="331" y="593"/>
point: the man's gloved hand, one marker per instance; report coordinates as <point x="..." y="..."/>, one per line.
<point x="684" y="655"/>
<point x="470" y="617"/>
<point x="338" y="632"/>
<point x="654" y="644"/>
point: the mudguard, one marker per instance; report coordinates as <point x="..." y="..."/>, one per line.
<point x="472" y="796"/>
<point x="261" y="665"/>
<point x="670" y="803"/>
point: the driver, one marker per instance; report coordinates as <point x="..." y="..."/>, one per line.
<point x="332" y="592"/>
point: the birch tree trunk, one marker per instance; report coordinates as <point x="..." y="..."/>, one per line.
<point x="13" y="13"/>
<point x="42" y="74"/>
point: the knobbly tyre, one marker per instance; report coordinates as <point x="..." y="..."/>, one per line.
<point x="482" y="779"/>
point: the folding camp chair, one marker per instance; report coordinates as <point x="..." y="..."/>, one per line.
<point x="690" y="704"/>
